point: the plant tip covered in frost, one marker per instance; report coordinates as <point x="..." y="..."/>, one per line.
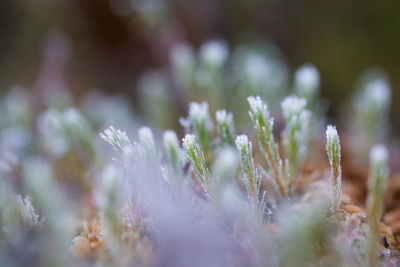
<point x="376" y="185"/>
<point x="196" y="157"/>
<point x="198" y="111"/>
<point x="242" y="143"/>
<point x="306" y="81"/>
<point x="199" y="123"/>
<point x="147" y="142"/>
<point x="372" y="105"/>
<point x="182" y="56"/>
<point x="214" y="53"/>
<point x="263" y="124"/>
<point x="333" y="150"/>
<point x="117" y="138"/>
<point x="293" y="105"/>
<point x="252" y="179"/>
<point x="378" y="92"/>
<point x="295" y="135"/>
<point x="170" y="139"/>
<point x="379" y="154"/>
<point x="257" y="106"/>
<point x="189" y="141"/>
<point x="226" y="128"/>
<point x="257" y="68"/>
<point x="173" y="152"/>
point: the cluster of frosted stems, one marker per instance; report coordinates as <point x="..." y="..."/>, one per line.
<point x="226" y="128"/>
<point x="252" y="178"/>
<point x="295" y="135"/>
<point x="196" y="157"/>
<point x="117" y="138"/>
<point x="306" y="82"/>
<point x="263" y="124"/>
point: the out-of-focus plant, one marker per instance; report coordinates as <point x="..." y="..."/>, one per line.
<point x="295" y="135"/>
<point x="184" y="66"/>
<point x="17" y="215"/>
<point x="57" y="231"/>
<point x="226" y="128"/>
<point x="174" y="156"/>
<point x="156" y="98"/>
<point x="306" y="83"/>
<point x="371" y="103"/>
<point x="110" y="200"/>
<point x="63" y="130"/>
<point x="333" y="150"/>
<point x="376" y="184"/>
<point x="213" y="56"/>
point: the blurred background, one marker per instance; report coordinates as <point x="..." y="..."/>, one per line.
<point x="108" y="45"/>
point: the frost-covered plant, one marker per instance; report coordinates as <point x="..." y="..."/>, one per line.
<point x="174" y="154"/>
<point x="252" y="179"/>
<point x="224" y="168"/>
<point x="17" y="215"/>
<point x="62" y="130"/>
<point x="333" y="150"/>
<point x="116" y="138"/>
<point x="295" y="135"/>
<point x="226" y="128"/>
<point x="199" y="123"/>
<point x="143" y="210"/>
<point x="376" y="183"/>
<point x="260" y="71"/>
<point x="263" y="124"/>
<point x="306" y="83"/>
<point x="183" y="63"/>
<point x="156" y="100"/>
<point x="109" y="198"/>
<point x="214" y="53"/>
<point x="57" y="231"/>
<point x="213" y="56"/>
<point x="372" y="105"/>
<point x="147" y="144"/>
<point x="196" y="156"/>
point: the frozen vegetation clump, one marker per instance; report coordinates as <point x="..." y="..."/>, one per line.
<point x="256" y="183"/>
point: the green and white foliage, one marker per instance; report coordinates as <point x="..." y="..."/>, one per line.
<point x="224" y="169"/>
<point x="61" y="131"/>
<point x="333" y="150"/>
<point x="196" y="156"/>
<point x="306" y="83"/>
<point x="295" y="135"/>
<point x="116" y="138"/>
<point x="372" y="105"/>
<point x="379" y="172"/>
<point x="174" y="155"/>
<point x="199" y="123"/>
<point x="225" y="127"/>
<point x="252" y="179"/>
<point x="263" y="124"/>
<point x="184" y="65"/>
<point x="210" y="78"/>
<point x="17" y="215"/>
<point x="147" y="144"/>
